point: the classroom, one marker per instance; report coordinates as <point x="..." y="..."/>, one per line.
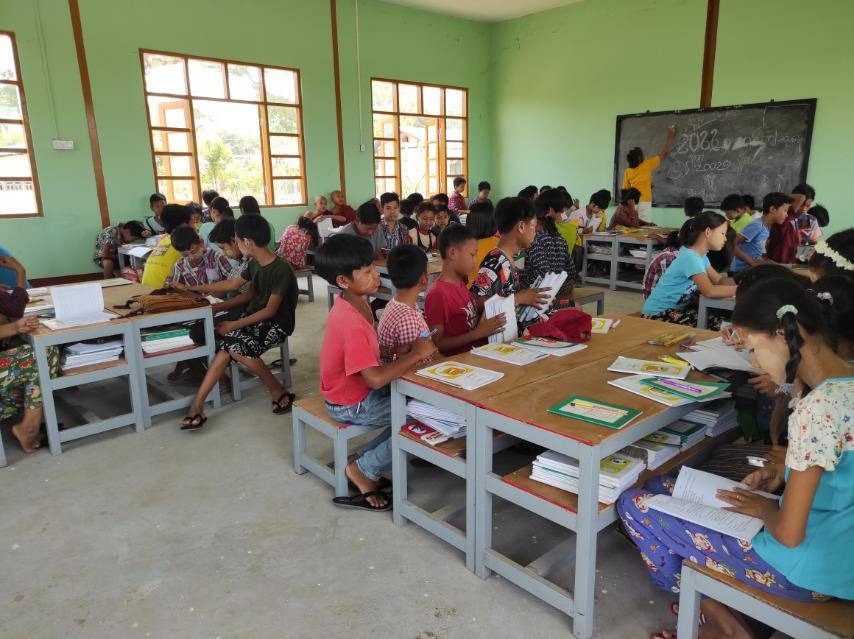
<point x="426" y="319"/>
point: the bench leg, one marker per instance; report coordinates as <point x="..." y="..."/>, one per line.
<point x="310" y="288"/>
<point x="3" y="461"/>
<point x="285" y="354"/>
<point x="688" y="625"/>
<point x="339" y="452"/>
<point x="299" y="444"/>
<point x="236" y="394"/>
<point x="330" y="299"/>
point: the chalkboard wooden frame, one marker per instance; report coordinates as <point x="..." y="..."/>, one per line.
<point x="808" y="102"/>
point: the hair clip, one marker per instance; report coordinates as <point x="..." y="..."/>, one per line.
<point x="786" y="308"/>
<point x="786" y="388"/>
<point x="825" y="296"/>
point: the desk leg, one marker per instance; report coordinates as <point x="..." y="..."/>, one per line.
<point x="702" y="314"/>
<point x="399" y="457"/>
<point x="122" y="261"/>
<point x="471" y="500"/>
<point x="688" y="624"/>
<point x="210" y="340"/>
<point x="48" y="405"/>
<point x="585" y="543"/>
<point x="136" y="378"/>
<point x="615" y="264"/>
<point x="483" y="499"/>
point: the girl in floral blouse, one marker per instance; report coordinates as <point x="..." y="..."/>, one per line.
<point x="797" y="554"/>
<point x="297" y="240"/>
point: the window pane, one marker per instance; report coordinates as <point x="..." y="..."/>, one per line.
<point x="386" y="186"/>
<point x="12" y="136"/>
<point x="7" y="59"/>
<point x="170" y="112"/>
<point x="287" y="192"/>
<point x="15" y="164"/>
<point x="408" y="98"/>
<point x="181" y="191"/>
<point x="449" y="186"/>
<point x="433" y="185"/>
<point x="455" y="102"/>
<point x="207" y="78"/>
<point x="453" y="129"/>
<point x="284" y="145"/>
<point x="281" y="86"/>
<point x="455" y="168"/>
<point x="283" y="119"/>
<point x="432" y="100"/>
<point x="244" y="82"/>
<point x="384" y="148"/>
<point x="177" y="165"/>
<point x="171" y="141"/>
<point x="382" y="95"/>
<point x="164" y="74"/>
<point x="383" y="126"/>
<point x="454" y="150"/>
<point x="10" y="102"/>
<point x="286" y="167"/>
<point x="17" y="198"/>
<point x="385" y="167"/>
<point x="228" y="135"/>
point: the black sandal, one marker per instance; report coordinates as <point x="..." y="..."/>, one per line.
<point x="193" y="422"/>
<point x="278" y="409"/>
<point x="360" y="501"/>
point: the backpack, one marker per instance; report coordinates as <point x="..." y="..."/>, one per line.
<point x="164" y="300"/>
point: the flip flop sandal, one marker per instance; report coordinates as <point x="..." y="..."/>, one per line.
<point x="360" y="502"/>
<point x="278" y="409"/>
<point x="193" y="422"/>
<point x="663" y="634"/>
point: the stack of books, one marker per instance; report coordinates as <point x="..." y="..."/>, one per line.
<point x="652" y="454"/>
<point x="162" y="339"/>
<point x="616" y="473"/>
<point x="85" y="353"/>
<point x="449" y="424"/>
<point x="718" y="417"/>
<point x="679" y="433"/>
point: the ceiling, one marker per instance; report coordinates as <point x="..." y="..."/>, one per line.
<point x="485" y="10"/>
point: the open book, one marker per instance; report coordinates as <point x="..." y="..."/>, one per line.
<point x="694" y="499"/>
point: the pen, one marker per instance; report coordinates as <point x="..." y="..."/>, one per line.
<point x="426" y="334"/>
<point x="583" y="404"/>
<point x="672" y="360"/>
<point x="686" y="387"/>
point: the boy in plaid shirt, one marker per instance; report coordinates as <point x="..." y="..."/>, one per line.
<point x="199" y="264"/>
<point x="402" y="322"/>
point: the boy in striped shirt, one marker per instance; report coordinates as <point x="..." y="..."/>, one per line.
<point x="402" y="322"/>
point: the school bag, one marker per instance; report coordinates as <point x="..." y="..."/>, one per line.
<point x="571" y="325"/>
<point x="164" y="300"/>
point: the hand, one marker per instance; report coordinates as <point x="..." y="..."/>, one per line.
<point x="768" y="478"/>
<point x="146" y="233"/>
<point x="747" y="502"/>
<point x="178" y="286"/>
<point x="576" y="203"/>
<point x="764" y="384"/>
<point x="490" y="325"/>
<point x="730" y="337"/>
<point x="7" y="261"/>
<point x="532" y="297"/>
<point x="423" y="348"/>
<point x="27" y="324"/>
<point x="223" y="328"/>
<point x="777" y="455"/>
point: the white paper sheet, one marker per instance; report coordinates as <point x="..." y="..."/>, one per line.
<point x="140" y="251"/>
<point x="325" y="226"/>
<point x="496" y="305"/>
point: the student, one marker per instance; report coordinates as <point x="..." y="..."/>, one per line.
<point x="249" y="206"/>
<point x="690" y="272"/>
<point x="407" y="208"/>
<point x="750" y="243"/>
<point x="660" y="263"/>
<point x="8" y="274"/>
<point x="627" y="214"/>
<point x="320" y="211"/>
<point x="836" y="295"/>
<point x="750" y="206"/>
<point x="638" y="175"/>
<point x="297" y="240"/>
<point x="783" y="239"/>
<point x="440" y="199"/>
<point x="162" y="258"/>
<point x="481" y="222"/>
<point x="223" y="237"/>
<point x="483" y="190"/>
<point x="693" y="206"/>
<point x="342" y="213"/>
<point x="108" y="241"/>
<point x="443" y="218"/>
<point x="590" y="219"/>
<point x="423" y="236"/>
<point x="267" y="320"/>
<point x="797" y="555"/>
<point x="572" y="204"/>
<point x="457" y="203"/>
<point x="833" y="256"/>
<point x="415" y="198"/>
<point x="353" y="381"/>
<point x="367" y="225"/>
<point x="199" y="264"/>
<point x="733" y="208"/>
<point x="208" y="196"/>
<point x="516" y="221"/>
<point x="393" y="233"/>
<point x="218" y="209"/>
<point x="548" y="253"/>
<point x="157" y="202"/>
<point x="195" y="214"/>
<point x="530" y="193"/>
<point x="811" y="223"/>
<point x="402" y="321"/>
<point x="452" y="310"/>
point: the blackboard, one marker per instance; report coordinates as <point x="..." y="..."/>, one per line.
<point x="749" y="148"/>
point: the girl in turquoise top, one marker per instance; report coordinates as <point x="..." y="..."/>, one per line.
<point x="800" y="552"/>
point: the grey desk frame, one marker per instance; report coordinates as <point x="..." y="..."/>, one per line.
<point x="609" y="259"/>
<point x="648" y="243"/>
<point x="706" y="303"/>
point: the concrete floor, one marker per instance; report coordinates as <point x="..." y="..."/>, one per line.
<point x="211" y="534"/>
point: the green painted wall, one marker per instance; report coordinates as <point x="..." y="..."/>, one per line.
<point x="63" y="239"/>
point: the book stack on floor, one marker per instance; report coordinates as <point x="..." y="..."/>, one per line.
<point x="616" y="473"/>
<point x="449" y="424"/>
<point x="718" y="417"/>
<point x="162" y="339"/>
<point x="86" y="354"/>
<point x="680" y="433"/>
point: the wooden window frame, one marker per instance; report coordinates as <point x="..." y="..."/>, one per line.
<point x="396" y="113"/>
<point x="25" y="122"/>
<point x="269" y="179"/>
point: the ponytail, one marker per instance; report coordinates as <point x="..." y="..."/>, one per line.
<point x="695" y="226"/>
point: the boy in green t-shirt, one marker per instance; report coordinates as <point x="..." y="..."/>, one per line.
<point x="733" y="207"/>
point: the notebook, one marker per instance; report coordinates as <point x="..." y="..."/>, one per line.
<point x="460" y="375"/>
<point x="550" y="346"/>
<point x="595" y="411"/>
<point x="511" y="353"/>
<point x="647" y="367"/>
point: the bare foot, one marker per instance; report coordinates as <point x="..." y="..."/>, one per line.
<point x="364" y="484"/>
<point x="721" y="622"/>
<point x="27" y="435"/>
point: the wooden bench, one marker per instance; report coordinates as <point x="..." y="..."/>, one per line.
<point x="820" y="620"/>
<point x="311" y="411"/>
<point x="239" y="385"/>
<point x="306" y="273"/>
<point x="588" y="296"/>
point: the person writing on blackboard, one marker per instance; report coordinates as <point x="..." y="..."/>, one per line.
<point x="639" y="173"/>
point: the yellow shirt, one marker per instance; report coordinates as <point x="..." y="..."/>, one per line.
<point x="484" y="246"/>
<point x="160" y="263"/>
<point x="640" y="177"/>
<point x="569" y="232"/>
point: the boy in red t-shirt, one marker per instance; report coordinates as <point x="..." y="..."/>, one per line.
<point x="353" y="381"/>
<point x="451" y="308"/>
